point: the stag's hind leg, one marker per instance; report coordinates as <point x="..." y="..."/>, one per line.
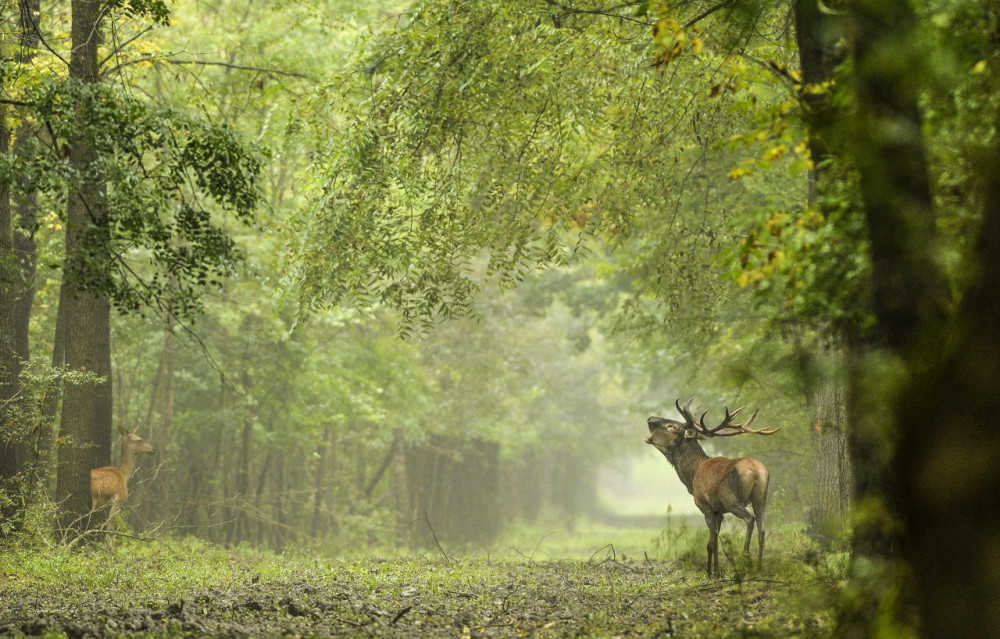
<point x="759" y="506"/>
<point x="749" y="520"/>
<point x="759" y="512"/>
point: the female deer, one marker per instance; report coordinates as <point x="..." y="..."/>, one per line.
<point x="109" y="484"/>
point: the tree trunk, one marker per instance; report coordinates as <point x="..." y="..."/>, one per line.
<point x="36" y="448"/>
<point x="159" y="417"/>
<point x="910" y="293"/>
<point x="240" y="521"/>
<point x="11" y="468"/>
<point x="832" y="484"/>
<point x="401" y="488"/>
<point x="911" y="301"/>
<point x="947" y="461"/>
<point x="87" y="407"/>
<point x="17" y="272"/>
<point x="816" y="35"/>
<point x="324" y="520"/>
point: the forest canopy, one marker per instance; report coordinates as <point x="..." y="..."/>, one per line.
<point x="354" y="266"/>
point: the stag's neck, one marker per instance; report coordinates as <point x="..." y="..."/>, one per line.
<point x="127" y="464"/>
<point x="685" y="459"/>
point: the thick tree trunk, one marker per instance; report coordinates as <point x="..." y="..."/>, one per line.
<point x="87" y="407"/>
<point x="17" y="272"/>
<point x="816" y="35"/>
<point x="911" y="296"/>
<point x="35" y="449"/>
<point x="947" y="461"/>
<point x="911" y="301"/>
<point x="11" y="466"/>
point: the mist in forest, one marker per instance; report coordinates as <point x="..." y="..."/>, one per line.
<point x="368" y="278"/>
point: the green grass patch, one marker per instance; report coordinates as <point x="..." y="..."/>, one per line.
<point x="592" y="581"/>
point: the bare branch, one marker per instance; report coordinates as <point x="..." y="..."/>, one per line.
<point x="210" y="63"/>
<point x="707" y="12"/>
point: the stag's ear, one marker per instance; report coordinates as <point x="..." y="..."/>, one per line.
<point x="122" y="430"/>
<point x="690" y="434"/>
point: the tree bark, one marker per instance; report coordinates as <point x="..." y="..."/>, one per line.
<point x="11" y="468"/>
<point x="828" y="515"/>
<point x="87" y="407"/>
<point x="911" y="302"/>
<point x="18" y="220"/>
<point x="816" y="35"/>
<point x="912" y="299"/>
<point x="947" y="461"/>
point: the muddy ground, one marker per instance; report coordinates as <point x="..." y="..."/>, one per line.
<point x="422" y="598"/>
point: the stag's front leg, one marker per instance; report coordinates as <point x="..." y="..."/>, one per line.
<point x="714" y="521"/>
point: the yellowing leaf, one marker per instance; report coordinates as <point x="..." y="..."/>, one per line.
<point x="979" y="67"/>
<point x="775" y="152"/>
<point x="739" y="172"/>
<point x="697" y="46"/>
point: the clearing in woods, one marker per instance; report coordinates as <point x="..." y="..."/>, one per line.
<point x="189" y="589"/>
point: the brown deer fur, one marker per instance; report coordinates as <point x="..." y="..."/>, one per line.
<point x="109" y="484"/>
<point x="719" y="485"/>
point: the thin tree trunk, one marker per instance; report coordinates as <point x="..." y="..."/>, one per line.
<point x="279" y="518"/>
<point x="243" y="472"/>
<point x="401" y="488"/>
<point x="828" y="515"/>
<point x="220" y="496"/>
<point x="324" y="522"/>
<point x="159" y="414"/>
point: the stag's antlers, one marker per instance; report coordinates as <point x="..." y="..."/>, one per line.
<point x="730" y="428"/>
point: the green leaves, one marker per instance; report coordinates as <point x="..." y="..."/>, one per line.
<point x="155" y="10"/>
<point x="481" y="129"/>
<point x="169" y="180"/>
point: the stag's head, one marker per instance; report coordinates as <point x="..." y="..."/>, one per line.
<point x="666" y="434"/>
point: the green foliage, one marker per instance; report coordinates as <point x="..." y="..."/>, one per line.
<point x="486" y="128"/>
<point x="168" y="178"/>
<point x="156" y="10"/>
<point x="810" y="266"/>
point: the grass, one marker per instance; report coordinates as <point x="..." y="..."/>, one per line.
<point x="593" y="581"/>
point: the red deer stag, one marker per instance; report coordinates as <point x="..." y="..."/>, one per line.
<point x="109" y="484"/>
<point x="719" y="485"/>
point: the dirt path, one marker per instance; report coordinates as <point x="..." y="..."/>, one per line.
<point x="422" y="598"/>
